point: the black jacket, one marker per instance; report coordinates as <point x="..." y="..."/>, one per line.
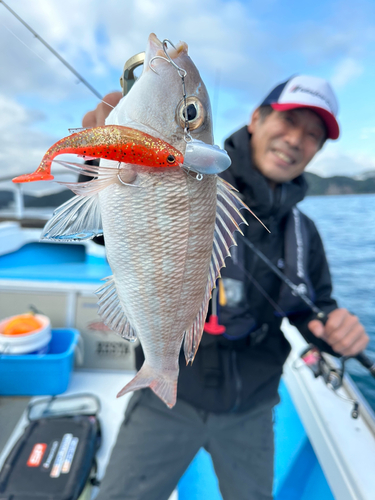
<point x="238" y="372"/>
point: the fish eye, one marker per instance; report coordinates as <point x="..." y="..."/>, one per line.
<point x="191" y="111"/>
<point x="195" y="111"/>
<point x="171" y="159"/>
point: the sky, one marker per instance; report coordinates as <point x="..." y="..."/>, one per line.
<point x="241" y="48"/>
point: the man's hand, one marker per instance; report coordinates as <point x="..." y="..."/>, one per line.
<point x="96" y="118"/>
<point x="343" y="332"/>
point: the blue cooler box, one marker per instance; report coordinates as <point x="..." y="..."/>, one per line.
<point x="40" y="374"/>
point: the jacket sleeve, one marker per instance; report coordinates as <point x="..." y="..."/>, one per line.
<point x="321" y="281"/>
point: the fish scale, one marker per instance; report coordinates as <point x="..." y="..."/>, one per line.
<point x="165" y="259"/>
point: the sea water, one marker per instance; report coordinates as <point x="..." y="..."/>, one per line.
<point x="347" y="226"/>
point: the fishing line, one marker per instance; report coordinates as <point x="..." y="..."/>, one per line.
<point x="329" y="381"/>
<point x="262" y="291"/>
<point x="215" y="100"/>
<point x="23" y="43"/>
<point x="320" y="314"/>
<point x="56" y="54"/>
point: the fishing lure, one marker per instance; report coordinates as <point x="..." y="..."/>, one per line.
<point x="111" y="142"/>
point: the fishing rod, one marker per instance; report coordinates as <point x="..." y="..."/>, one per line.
<point x="56" y="54"/>
<point x="320" y="314"/>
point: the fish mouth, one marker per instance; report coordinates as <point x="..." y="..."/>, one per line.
<point x="155" y="48"/>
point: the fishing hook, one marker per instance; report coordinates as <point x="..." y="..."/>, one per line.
<point x="125" y="183"/>
<point x="192" y="173"/>
<point x="153" y="59"/>
<point x="182" y="72"/>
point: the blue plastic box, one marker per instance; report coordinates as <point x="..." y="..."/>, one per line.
<point x="40" y="374"/>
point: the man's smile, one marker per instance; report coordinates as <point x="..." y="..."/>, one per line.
<point x="285" y="158"/>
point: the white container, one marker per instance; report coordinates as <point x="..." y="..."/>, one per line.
<point x="35" y="342"/>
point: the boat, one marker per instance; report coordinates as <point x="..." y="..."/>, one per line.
<point x="321" y="451"/>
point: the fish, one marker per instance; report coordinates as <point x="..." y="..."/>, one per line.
<point x="118" y="143"/>
<point x="167" y="229"/>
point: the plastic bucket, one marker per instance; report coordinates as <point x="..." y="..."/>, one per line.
<point x="35" y="342"/>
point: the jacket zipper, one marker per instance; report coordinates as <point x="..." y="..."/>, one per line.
<point x="237" y="382"/>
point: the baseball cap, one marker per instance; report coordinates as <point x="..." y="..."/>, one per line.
<point x="307" y="92"/>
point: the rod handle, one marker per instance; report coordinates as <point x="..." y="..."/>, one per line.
<point x="360" y="357"/>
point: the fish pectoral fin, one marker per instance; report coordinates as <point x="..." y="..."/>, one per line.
<point x="228" y="220"/>
<point x="102" y="176"/>
<point x="163" y="385"/>
<point x="77" y="219"/>
<point x="111" y="311"/>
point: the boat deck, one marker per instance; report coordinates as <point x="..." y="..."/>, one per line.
<point x="293" y="448"/>
<point x="313" y="427"/>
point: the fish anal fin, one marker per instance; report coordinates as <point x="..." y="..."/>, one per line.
<point x="194" y="334"/>
<point x="111" y="311"/>
<point x="163" y="385"/>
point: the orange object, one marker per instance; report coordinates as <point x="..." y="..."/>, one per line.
<point x="112" y="142"/>
<point x="24" y="323"/>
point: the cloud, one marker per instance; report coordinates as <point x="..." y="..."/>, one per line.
<point x="346" y="70"/>
<point x="367" y="133"/>
<point x="344" y="31"/>
<point x="21" y="145"/>
<point x="247" y="47"/>
<point x="333" y="161"/>
<point x="221" y="35"/>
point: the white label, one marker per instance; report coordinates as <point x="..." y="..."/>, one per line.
<point x="69" y="456"/>
<point x="61" y="454"/>
<point x="51" y="454"/>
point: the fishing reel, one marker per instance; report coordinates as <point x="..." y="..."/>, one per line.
<point x="128" y="78"/>
<point x="333" y="377"/>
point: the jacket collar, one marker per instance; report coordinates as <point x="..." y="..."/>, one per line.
<point x="264" y="201"/>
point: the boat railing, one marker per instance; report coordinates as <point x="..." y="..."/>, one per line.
<point x="18" y="211"/>
<point x="355" y="394"/>
<point x="15" y="209"/>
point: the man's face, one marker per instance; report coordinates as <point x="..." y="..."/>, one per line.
<point x="284" y="142"/>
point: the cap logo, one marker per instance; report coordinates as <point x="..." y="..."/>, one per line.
<point x="298" y="88"/>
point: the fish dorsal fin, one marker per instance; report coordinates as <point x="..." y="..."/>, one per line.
<point x="111" y="311"/>
<point x="228" y="220"/>
<point x="77" y="219"/>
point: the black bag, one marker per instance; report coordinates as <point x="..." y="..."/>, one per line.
<point x="55" y="456"/>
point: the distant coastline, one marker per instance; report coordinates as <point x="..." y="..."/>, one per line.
<point x="318" y="186"/>
<point x="340" y="184"/>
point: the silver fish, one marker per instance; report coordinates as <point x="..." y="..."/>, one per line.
<point x="167" y="233"/>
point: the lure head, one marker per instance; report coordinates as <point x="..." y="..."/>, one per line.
<point x="205" y="159"/>
<point x="155" y="102"/>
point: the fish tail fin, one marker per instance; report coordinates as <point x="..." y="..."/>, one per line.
<point x="164" y="386"/>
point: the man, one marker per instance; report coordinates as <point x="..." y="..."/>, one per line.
<point x="225" y="399"/>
